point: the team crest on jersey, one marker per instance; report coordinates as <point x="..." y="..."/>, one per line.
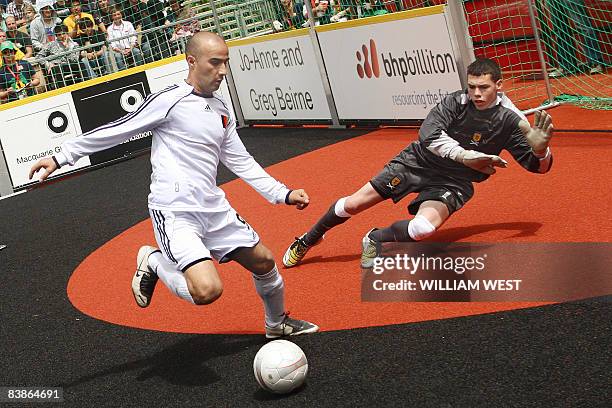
<point x="224" y="121"/>
<point x="395" y="181"/>
<point x="476" y="138"/>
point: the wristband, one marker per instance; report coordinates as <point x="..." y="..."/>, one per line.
<point x="56" y="162"/>
<point x="287" y="197"/>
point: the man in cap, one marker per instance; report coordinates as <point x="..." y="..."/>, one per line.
<point x="17" y="78"/>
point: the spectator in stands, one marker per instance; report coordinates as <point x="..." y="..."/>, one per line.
<point x="18" y="38"/>
<point x="321" y="12"/>
<point x="65" y="69"/>
<point x="564" y="35"/>
<point x="41" y="29"/>
<point x="18" y="54"/>
<point x="155" y="20"/>
<point x="2" y="17"/>
<point x="88" y="6"/>
<point x="134" y="11"/>
<point x="125" y="51"/>
<point x="30" y="15"/>
<point x="290" y="14"/>
<point x="325" y="11"/>
<point x="62" y="8"/>
<point x="96" y="55"/>
<point x="146" y="15"/>
<point x="76" y="15"/>
<point x="17" y="78"/>
<point x="103" y="12"/>
<point x="180" y="33"/>
<point x="17" y="9"/>
<point x="340" y="12"/>
<point x="372" y="8"/>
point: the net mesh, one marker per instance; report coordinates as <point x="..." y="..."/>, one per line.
<point x="575" y="38"/>
<point x="575" y="41"/>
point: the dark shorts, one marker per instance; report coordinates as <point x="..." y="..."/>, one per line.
<point x="404" y="175"/>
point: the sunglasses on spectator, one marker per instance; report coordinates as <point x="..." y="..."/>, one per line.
<point x="8" y="51"/>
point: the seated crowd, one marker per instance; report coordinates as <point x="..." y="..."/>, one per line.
<point x="55" y="43"/>
<point x="294" y="13"/>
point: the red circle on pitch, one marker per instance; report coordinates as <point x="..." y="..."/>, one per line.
<point x="326" y="288"/>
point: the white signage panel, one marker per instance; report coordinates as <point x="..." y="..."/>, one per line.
<point x="396" y="69"/>
<point x="176" y="72"/>
<point x="278" y="79"/>
<point x="35" y="130"/>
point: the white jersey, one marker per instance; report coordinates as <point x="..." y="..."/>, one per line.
<point x="191" y="133"/>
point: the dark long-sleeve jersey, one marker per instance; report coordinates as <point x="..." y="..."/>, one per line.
<point x="455" y="124"/>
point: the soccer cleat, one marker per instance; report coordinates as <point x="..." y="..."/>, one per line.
<point x="290" y="327"/>
<point x="144" y="280"/>
<point x="369" y="251"/>
<point x="297" y="251"/>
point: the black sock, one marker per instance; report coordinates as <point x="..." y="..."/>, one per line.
<point x="328" y="221"/>
<point x="397" y="232"/>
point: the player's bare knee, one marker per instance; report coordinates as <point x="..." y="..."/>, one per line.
<point x="205" y="295"/>
<point x="268" y="259"/>
<point x="262" y="261"/>
<point x="420" y="228"/>
<point x="264" y="264"/>
<point x="354" y="204"/>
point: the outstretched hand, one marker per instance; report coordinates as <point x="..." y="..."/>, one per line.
<point x="299" y="198"/>
<point x="48" y="164"/>
<point x="540" y="134"/>
<point x="484" y="163"/>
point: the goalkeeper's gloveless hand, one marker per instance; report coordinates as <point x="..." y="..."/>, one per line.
<point x="539" y="135"/>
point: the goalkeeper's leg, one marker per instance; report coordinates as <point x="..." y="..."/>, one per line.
<point x="432" y="207"/>
<point x="337" y="214"/>
<point x="342" y="210"/>
<point x="431" y="215"/>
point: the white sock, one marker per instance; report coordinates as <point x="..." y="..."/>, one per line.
<point x="170" y="275"/>
<point x="271" y="289"/>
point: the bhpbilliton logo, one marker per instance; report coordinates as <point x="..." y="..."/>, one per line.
<point x="403" y="64"/>
<point x="367" y="61"/>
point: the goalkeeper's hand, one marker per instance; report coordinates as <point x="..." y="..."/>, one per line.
<point x="539" y="135"/>
<point x="484" y="163"/>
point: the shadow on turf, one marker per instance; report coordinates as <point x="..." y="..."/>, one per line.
<point x="182" y="363"/>
<point x="523" y="229"/>
<point x="262" y="395"/>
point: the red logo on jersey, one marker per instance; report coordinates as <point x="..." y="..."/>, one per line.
<point x="224" y="121"/>
<point x="370" y="65"/>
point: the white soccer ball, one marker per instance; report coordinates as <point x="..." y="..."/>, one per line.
<point x="280" y="366"/>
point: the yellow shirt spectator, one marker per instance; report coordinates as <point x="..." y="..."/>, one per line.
<point x="71" y="23"/>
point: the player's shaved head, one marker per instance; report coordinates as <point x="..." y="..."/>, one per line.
<point x="207" y="56"/>
<point x="202" y="41"/>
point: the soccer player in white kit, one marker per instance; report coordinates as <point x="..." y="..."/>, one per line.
<point x="193" y="221"/>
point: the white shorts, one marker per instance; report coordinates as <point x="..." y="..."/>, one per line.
<point x="187" y="238"/>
